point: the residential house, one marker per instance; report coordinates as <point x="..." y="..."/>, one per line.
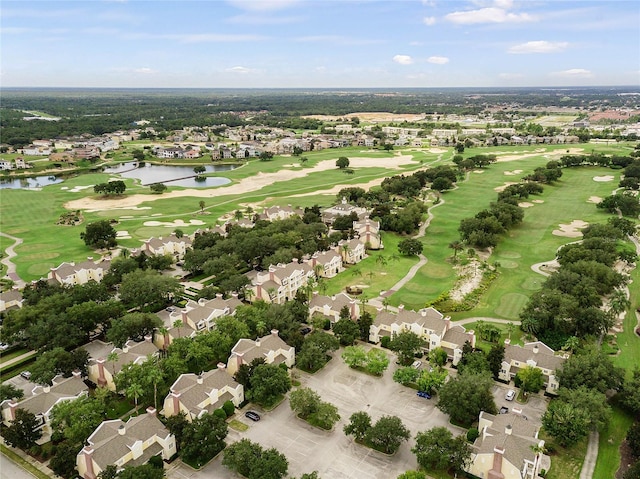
<point x="508" y="447"/>
<point x="201" y="315"/>
<point x="33" y="150"/>
<point x="196" y="395"/>
<point x="170" y="153"/>
<point x="326" y="264"/>
<point x="535" y="354"/>
<point x="171" y="245"/>
<point x="342" y="209"/>
<point x="82" y="273"/>
<point x="10" y="300"/>
<point x="130" y="443"/>
<point x="6" y="165"/>
<point x="43" y="399"/>
<point x="353" y="251"/>
<point x="102" y="370"/>
<point x="271" y="348"/>
<point x="280" y="282"/>
<point x="330" y="306"/>
<point x="274" y="213"/>
<point x="429" y="324"/>
<point x="368" y="231"/>
<point x="21" y="164"/>
<point x="444" y="133"/>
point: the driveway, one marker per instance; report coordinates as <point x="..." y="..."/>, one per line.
<point x="533" y="409"/>
<point x="332" y="454"/>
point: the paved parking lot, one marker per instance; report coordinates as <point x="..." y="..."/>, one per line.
<point x="332" y="454"/>
<point x="533" y="409"/>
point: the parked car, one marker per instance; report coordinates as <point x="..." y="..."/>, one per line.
<point x="171" y="309"/>
<point x="254" y="416"/>
<point x="305" y="330"/>
<point x="423" y="394"/>
<point x="26" y="375"/>
<point x="504" y="410"/>
<point x="416" y="364"/>
<point x="511" y="394"/>
<point x="4" y="346"/>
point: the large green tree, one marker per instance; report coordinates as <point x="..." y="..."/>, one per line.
<point x="463" y="397"/>
<point x="253" y="462"/>
<point x="347" y="331"/>
<point x="407" y="344"/>
<point x="438" y="449"/>
<point x="99" y="234"/>
<point x="387" y="434"/>
<point x="359" y="424"/>
<point x="23" y="431"/>
<point x="591" y="368"/>
<point x="148" y="289"/>
<point x="268" y="382"/>
<point x="203" y="438"/>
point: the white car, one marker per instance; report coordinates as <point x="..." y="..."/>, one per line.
<point x="416" y="364"/>
<point x="511" y="394"/>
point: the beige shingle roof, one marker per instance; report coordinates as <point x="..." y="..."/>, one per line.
<point x="193" y="394"/>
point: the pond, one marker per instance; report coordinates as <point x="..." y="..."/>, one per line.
<point x="171" y="175"/>
<point x="28" y="183"/>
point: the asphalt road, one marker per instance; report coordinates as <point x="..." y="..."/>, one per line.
<point x="10" y="470"/>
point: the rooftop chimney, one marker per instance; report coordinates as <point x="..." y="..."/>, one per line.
<point x="122" y="430"/>
<point x="199" y="379"/>
<point x="274" y="332"/>
<point x="46" y="389"/>
<point x="151" y="411"/>
<point x="535" y="349"/>
<point x="507" y="341"/>
<point x="222" y="366"/>
<point x="508" y="430"/>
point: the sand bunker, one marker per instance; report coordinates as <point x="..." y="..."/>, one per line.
<point x="594" y="199"/>
<point x="437" y="150"/>
<point x="246" y="185"/>
<point x="525" y="204"/>
<point x="512" y="173"/>
<point x="174" y="223"/>
<point x="478" y="171"/>
<point x="500" y="189"/>
<point x="537" y="201"/>
<point x="603" y="178"/>
<point x="572" y="230"/>
<point x="123" y="234"/>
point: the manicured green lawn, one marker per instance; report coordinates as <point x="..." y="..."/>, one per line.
<point x="609" y="444"/>
<point x="566" y="463"/>
<point x="532" y="242"/>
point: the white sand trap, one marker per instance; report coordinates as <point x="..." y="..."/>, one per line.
<point x="594" y="199"/>
<point x="174" y="223"/>
<point x="437" y="150"/>
<point x="525" y="204"/>
<point x="292" y="165"/>
<point x="572" y="230"/>
<point x="123" y="234"/>
<point x="512" y="173"/>
<point x="157" y="214"/>
<point x="603" y="178"/>
<point x="479" y="172"/>
<point x="78" y="189"/>
<point x="126" y="217"/>
<point x="500" y="189"/>
<point x="537" y="201"/>
<point x="64" y="187"/>
<point x="246" y="185"/>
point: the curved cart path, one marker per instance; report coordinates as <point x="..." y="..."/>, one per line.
<point x="11" y="267"/>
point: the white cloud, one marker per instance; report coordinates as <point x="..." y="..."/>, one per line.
<point x="261" y="5"/>
<point x="195" y="37"/>
<point x="489" y="15"/>
<point x="573" y="73"/>
<point x="338" y="40"/>
<point x="403" y="59"/>
<point x="429" y="3"/>
<point x="145" y="71"/>
<point x="438" y="60"/>
<point x="238" y="69"/>
<point x="429" y="21"/>
<point x="540" y="46"/>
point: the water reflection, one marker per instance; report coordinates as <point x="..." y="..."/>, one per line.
<point x="171" y="175"/>
<point x="28" y="183"/>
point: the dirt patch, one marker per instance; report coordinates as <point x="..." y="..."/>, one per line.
<point x="572" y="230"/>
<point x="469" y="278"/>
<point x="246" y="185"/>
<point x="500" y="189"/>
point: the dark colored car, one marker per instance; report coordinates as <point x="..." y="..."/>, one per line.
<point x="423" y="394"/>
<point x="254" y="416"/>
<point x="304" y="331"/>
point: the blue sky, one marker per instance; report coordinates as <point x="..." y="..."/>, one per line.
<point x="319" y="43"/>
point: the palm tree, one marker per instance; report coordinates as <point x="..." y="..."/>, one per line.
<point x="382" y="261"/>
<point x="178" y="324"/>
<point x="154" y="376"/>
<point x="134" y="391"/>
<point x="345" y="251"/>
<point x="165" y="337"/>
<point x="456" y="246"/>
<point x="510" y="327"/>
<point x="618" y="302"/>
<point x="385" y="303"/>
<point x="113" y="358"/>
<point x="571" y="344"/>
<point x="201" y="204"/>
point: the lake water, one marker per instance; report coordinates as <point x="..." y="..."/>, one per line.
<point x="28" y="183"/>
<point x="171" y="175"/>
